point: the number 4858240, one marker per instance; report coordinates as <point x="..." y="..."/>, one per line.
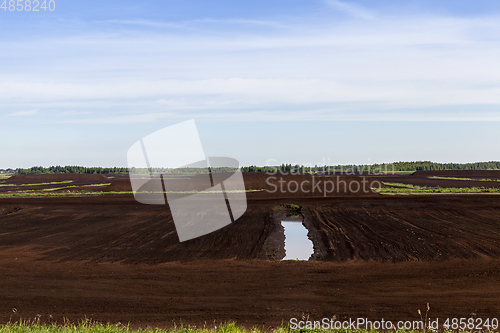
<point x="28" y="5"/>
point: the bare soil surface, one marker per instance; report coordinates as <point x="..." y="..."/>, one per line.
<point x="58" y="182"/>
<point x="273" y="186"/>
<point x="250" y="292"/>
<point x="459" y="173"/>
<point x="425" y="180"/>
<point x="479" y="178"/>
<point x="112" y="259"/>
<point x="23" y="179"/>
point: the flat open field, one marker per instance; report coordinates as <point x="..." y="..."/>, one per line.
<point x="109" y="258"/>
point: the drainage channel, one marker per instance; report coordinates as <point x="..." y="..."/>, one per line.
<point x="297" y="245"/>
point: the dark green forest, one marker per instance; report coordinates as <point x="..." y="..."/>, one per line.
<point x="396" y="166"/>
<point x="70" y="169"/>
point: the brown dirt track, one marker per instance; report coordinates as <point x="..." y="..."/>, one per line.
<point x="110" y="258"/>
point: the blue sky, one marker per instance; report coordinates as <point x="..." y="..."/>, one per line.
<point x="291" y="81"/>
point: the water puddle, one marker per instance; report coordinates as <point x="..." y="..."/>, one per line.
<point x="297" y="245"/>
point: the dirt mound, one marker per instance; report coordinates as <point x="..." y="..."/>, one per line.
<point x="5" y="210"/>
<point x="47" y="178"/>
<point x="407" y="229"/>
<point x="458" y="173"/>
<point x="122" y="185"/>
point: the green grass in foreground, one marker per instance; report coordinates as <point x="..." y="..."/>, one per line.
<point x="109" y="328"/>
<point x="86" y="327"/>
<point x="408" y="189"/>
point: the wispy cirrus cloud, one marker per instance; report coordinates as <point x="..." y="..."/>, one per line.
<point x="351" y="9"/>
<point x="146" y="23"/>
<point x="24" y="113"/>
<point x="194" y="24"/>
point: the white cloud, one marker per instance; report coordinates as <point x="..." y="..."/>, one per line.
<point x="147" y="23"/>
<point x="214" y="93"/>
<point x="191" y="24"/>
<point x="74" y="113"/>
<point x="24" y="113"/>
<point x="280" y="115"/>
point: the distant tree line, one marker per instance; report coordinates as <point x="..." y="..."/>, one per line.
<point x="428" y="165"/>
<point x="70" y="169"/>
<point x="397" y="166"/>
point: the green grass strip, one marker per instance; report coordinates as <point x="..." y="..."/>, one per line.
<point x="438" y="190"/>
<point x="400" y="185"/>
